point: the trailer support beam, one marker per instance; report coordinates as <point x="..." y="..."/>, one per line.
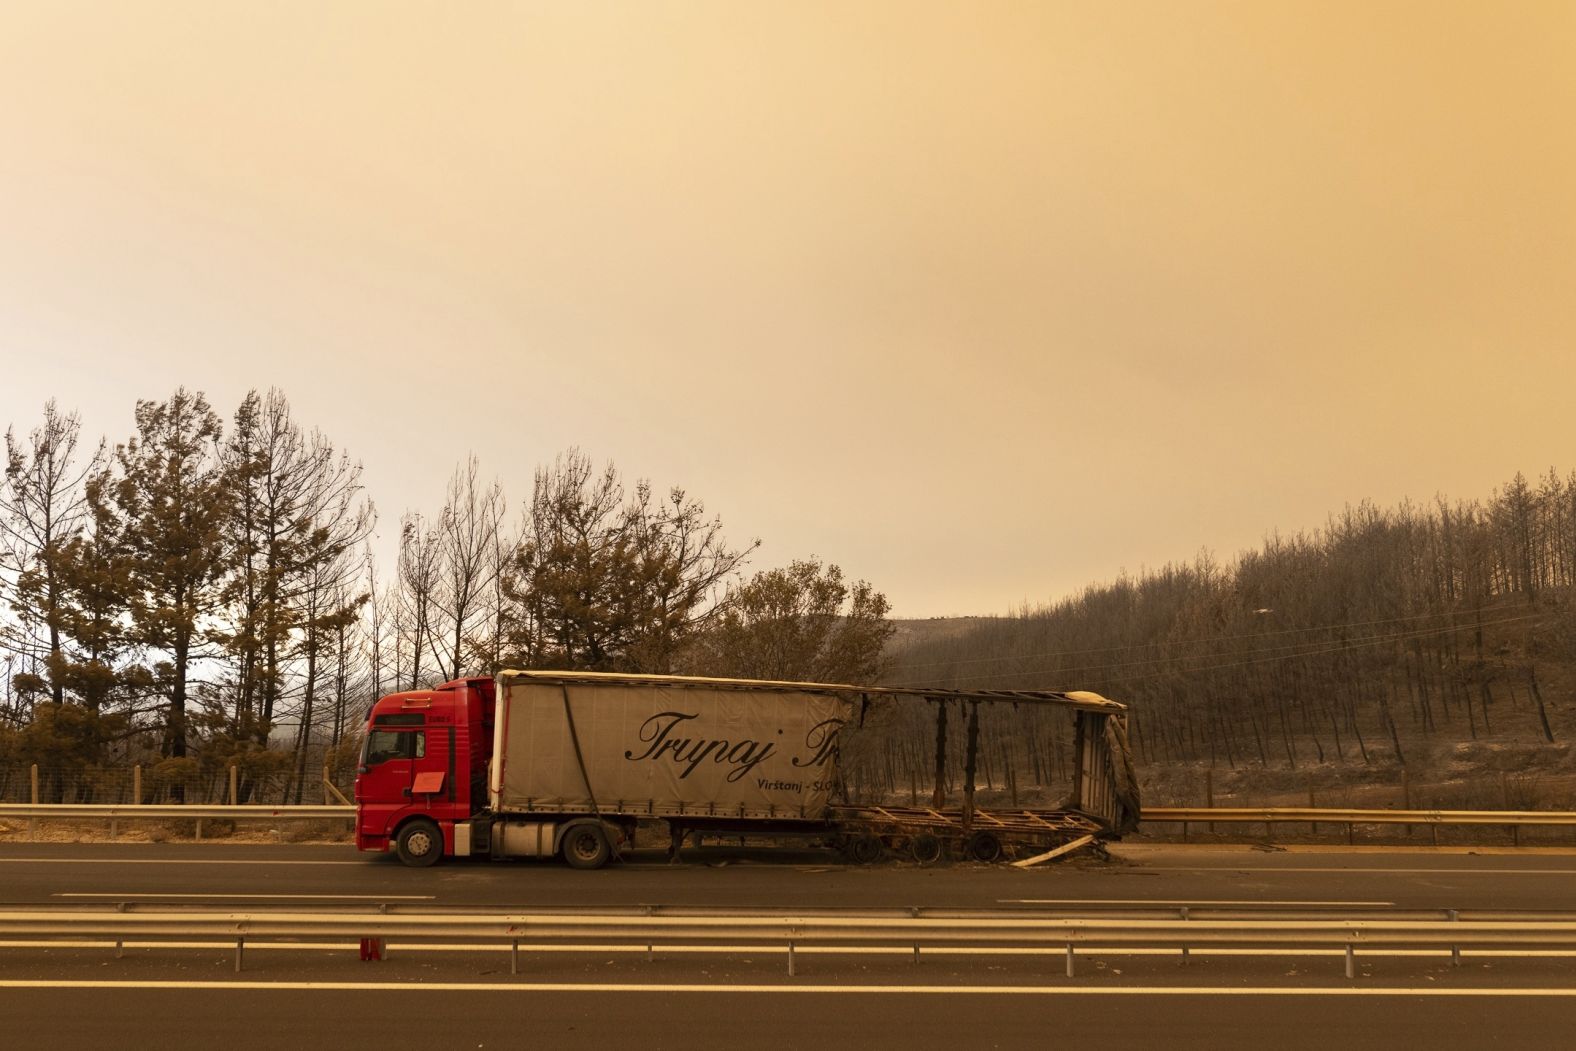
<point x="938" y="798"/>
<point x="970" y="756"/>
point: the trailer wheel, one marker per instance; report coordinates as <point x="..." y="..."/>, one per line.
<point x="984" y="846"/>
<point x="419" y="844"/>
<point x="865" y="849"/>
<point x="926" y="848"/>
<point x="585" y="846"/>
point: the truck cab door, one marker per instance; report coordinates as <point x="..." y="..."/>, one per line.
<point x="388" y="766"/>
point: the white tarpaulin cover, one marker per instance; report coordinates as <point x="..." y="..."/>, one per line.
<point x="653" y="749"/>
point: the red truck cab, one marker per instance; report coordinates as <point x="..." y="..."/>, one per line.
<point x="423" y="770"/>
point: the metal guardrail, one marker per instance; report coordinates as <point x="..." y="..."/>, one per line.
<point x="1277" y="815"/>
<point x="846" y="929"/>
<point x="165" y="811"/>
<point x="1269" y="816"/>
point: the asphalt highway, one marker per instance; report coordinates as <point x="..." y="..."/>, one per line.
<point x="85" y="995"/>
<point x="1169" y="874"/>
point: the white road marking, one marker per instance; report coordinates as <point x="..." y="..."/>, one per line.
<point x="1137" y="850"/>
<point x="271" y="897"/>
<point x="407" y="988"/>
<point x="1171" y="901"/>
<point x="1272" y="869"/>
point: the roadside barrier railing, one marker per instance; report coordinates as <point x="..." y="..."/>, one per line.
<point x="1066" y="935"/>
<point x="114" y="814"/>
<point x="1185" y="816"/>
<point x="1515" y="820"/>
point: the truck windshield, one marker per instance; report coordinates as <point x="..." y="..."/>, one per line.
<point x="383" y="745"/>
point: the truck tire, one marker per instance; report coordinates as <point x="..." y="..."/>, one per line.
<point x="585" y="846"/>
<point x="419" y="844"/>
<point x="983" y="846"/>
<point x="865" y="849"/>
<point x="926" y="848"/>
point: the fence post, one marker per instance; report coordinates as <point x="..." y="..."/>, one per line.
<point x="234" y="786"/>
<point x="32" y="825"/>
<point x="1406" y="796"/>
<point x="136" y="785"/>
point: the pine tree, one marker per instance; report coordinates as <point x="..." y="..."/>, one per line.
<point x="168" y="502"/>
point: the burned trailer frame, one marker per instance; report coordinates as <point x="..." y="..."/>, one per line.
<point x="1103" y="803"/>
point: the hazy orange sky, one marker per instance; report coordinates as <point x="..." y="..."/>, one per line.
<point x="983" y="301"/>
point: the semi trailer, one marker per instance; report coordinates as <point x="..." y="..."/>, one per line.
<point x="556" y="763"/>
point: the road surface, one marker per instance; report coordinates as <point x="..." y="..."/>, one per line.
<point x="66" y="997"/>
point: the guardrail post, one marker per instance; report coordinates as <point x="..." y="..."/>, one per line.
<point x="914" y="913"/>
<point x="790" y="959"/>
<point x="240" y="948"/>
<point x="1349" y="833"/>
<point x="1072" y="967"/>
<point x="1313" y="826"/>
<point x="1184" y="913"/>
<point x="514" y="956"/>
<point x="32" y="826"/>
<point x="234" y="786"/>
<point x="1351" y="963"/>
<point x="1455" y="950"/>
<point x="136" y="785"/>
<point x="199" y="830"/>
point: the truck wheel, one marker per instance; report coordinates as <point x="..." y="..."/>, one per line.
<point x="984" y="846"/>
<point x="419" y="844"/>
<point x="586" y="847"/>
<point x="865" y="849"/>
<point x="926" y="848"/>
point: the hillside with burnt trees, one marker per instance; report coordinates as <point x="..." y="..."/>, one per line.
<point x="203" y="593"/>
<point x="1427" y="648"/>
